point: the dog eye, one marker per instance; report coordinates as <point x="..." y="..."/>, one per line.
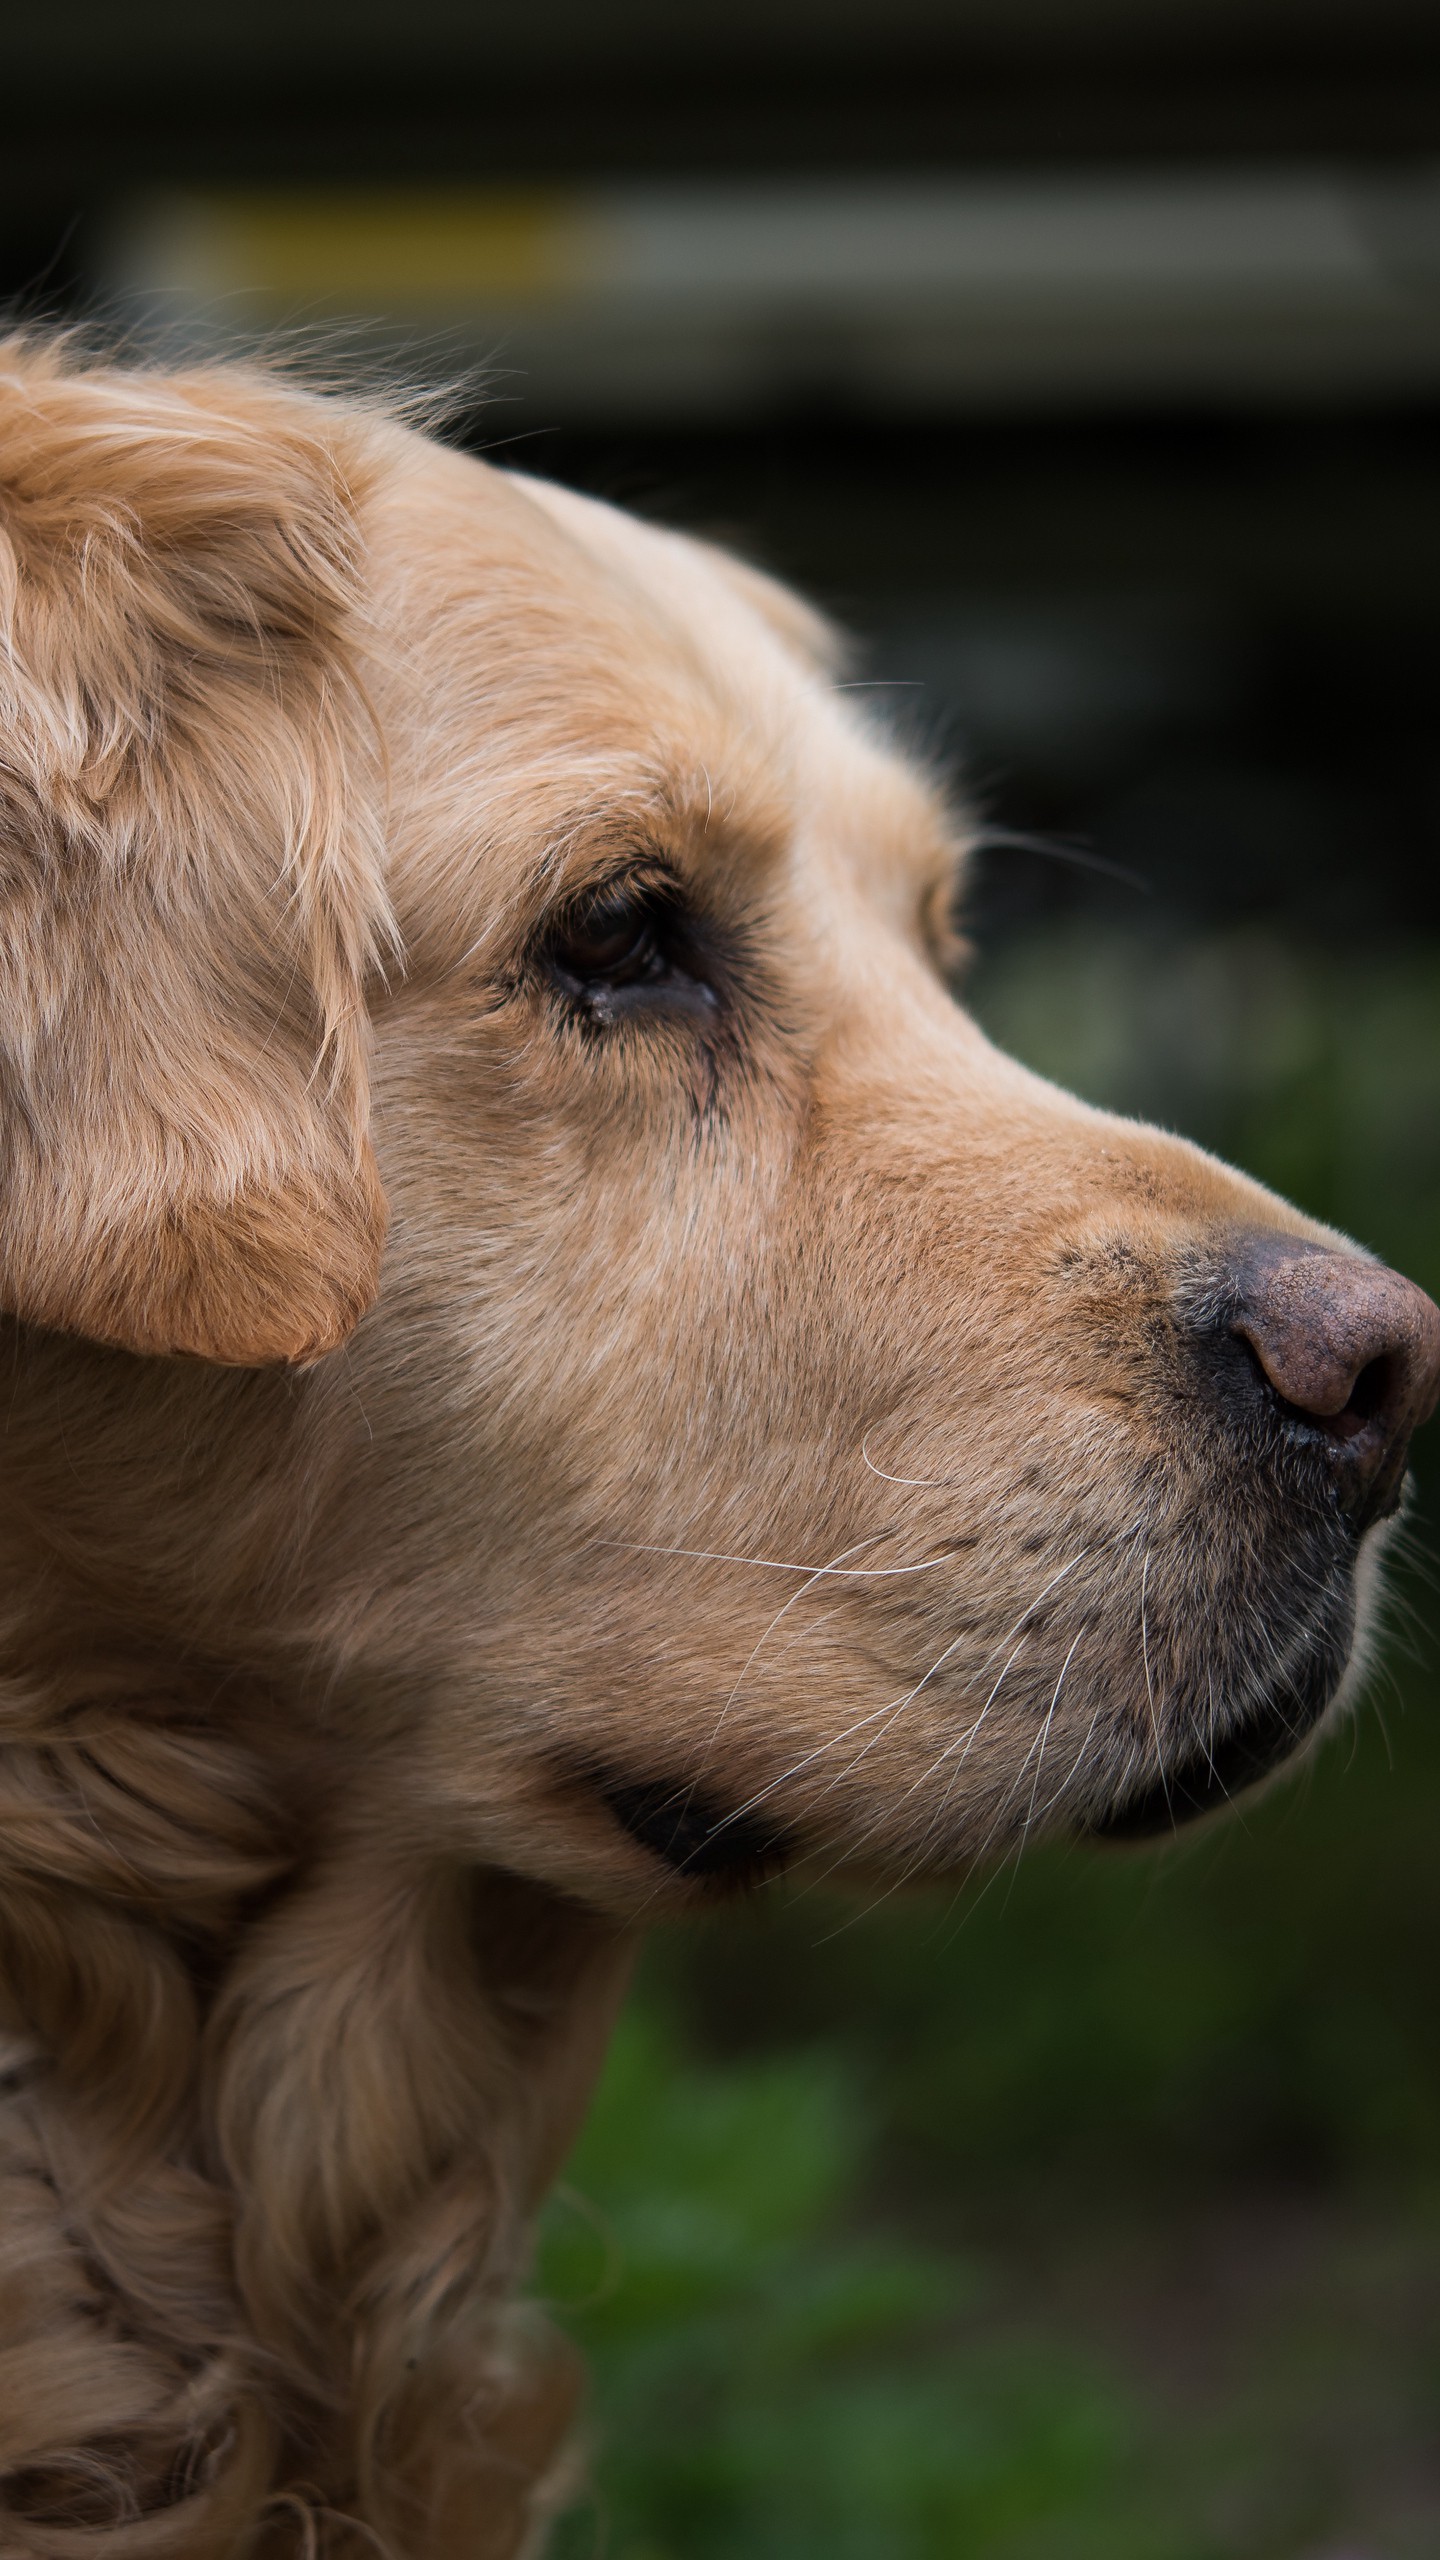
<point x="626" y="948"/>
<point x="613" y="941"/>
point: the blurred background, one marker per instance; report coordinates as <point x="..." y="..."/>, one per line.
<point x="1084" y="355"/>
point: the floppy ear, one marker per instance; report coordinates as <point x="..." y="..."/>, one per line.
<point x="190" y="883"/>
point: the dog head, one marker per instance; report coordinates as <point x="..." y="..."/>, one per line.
<point x="784" y="1427"/>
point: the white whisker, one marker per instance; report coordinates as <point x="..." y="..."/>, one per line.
<point x="1073" y="1772"/>
<point x="775" y="1564"/>
<point x="821" y="1751"/>
<point x="918" y="1483"/>
<point x="1045" y="1735"/>
<point x="783" y="1612"/>
<point x="960" y="1742"/>
<point x="1150" y="1687"/>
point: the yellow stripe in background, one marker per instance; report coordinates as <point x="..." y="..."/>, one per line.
<point x="377" y="249"/>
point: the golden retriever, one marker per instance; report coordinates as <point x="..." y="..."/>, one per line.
<point x="549" y="1372"/>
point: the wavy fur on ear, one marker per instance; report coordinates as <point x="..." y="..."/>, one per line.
<point x="190" y="861"/>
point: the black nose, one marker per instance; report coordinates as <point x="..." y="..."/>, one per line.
<point x="1350" y="1348"/>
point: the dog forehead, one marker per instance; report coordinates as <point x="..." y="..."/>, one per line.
<point x="742" y="610"/>
<point x="550" y="664"/>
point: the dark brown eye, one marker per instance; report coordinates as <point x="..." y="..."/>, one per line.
<point x="629" y="949"/>
<point x="612" y="941"/>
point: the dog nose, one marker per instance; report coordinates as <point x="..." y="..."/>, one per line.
<point x="1351" y="1347"/>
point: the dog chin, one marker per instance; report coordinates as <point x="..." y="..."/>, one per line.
<point x="1211" y="1774"/>
<point x="1327" y="1660"/>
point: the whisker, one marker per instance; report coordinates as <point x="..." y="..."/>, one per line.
<point x="962" y="1742"/>
<point x="1073" y="1771"/>
<point x="891" y="1713"/>
<point x="781" y="1613"/>
<point x="1045" y="1734"/>
<point x="1060" y="849"/>
<point x="1211" y="1728"/>
<point x="882" y="1819"/>
<point x="773" y="1564"/>
<point x="771" y="1787"/>
<point x="1150" y="1688"/>
<point x="918" y="1482"/>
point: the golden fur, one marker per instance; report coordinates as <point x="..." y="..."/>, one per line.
<point x="777" y="1411"/>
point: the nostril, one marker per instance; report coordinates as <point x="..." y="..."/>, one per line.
<point x="1375" y="1394"/>
<point x="1365" y="1401"/>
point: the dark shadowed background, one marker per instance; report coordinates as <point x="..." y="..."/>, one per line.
<point x="1084" y="355"/>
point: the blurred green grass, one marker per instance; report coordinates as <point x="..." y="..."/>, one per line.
<point x="1093" y="2214"/>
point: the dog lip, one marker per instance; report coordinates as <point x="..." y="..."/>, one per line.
<point x="691" y="1832"/>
